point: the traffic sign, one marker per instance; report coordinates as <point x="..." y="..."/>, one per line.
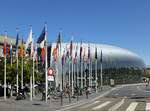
<point x="50" y="71"/>
<point x="50" y="78"/>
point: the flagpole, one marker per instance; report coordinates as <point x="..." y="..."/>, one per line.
<point x="5" y="79"/>
<point x="89" y="73"/>
<point x="5" y="68"/>
<point x="46" y="83"/>
<point x="101" y="74"/>
<point x="31" y="64"/>
<point x="77" y="74"/>
<point x="33" y="77"/>
<point x="69" y="72"/>
<point x="62" y="78"/>
<point x="84" y="75"/>
<point x="96" y="73"/>
<point x="72" y="79"/>
<point x="17" y="69"/>
<point x="11" y="55"/>
<point x="22" y="72"/>
<point x="30" y="78"/>
<point x="81" y="74"/>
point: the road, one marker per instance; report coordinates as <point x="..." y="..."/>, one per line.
<point x="128" y="98"/>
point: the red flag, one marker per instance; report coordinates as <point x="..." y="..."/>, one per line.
<point x="43" y="55"/>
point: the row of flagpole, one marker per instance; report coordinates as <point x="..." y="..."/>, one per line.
<point x="74" y="66"/>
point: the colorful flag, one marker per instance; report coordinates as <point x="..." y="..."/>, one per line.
<point x="89" y="53"/>
<point x="22" y="48"/>
<point x="43" y="55"/>
<point x="81" y="51"/>
<point x="96" y="53"/>
<point x="41" y="41"/>
<point x="75" y="56"/>
<point x="71" y="47"/>
<point x="55" y="54"/>
<point x="5" y="46"/>
<point x="35" y="54"/>
<point x="63" y="58"/>
<point x="84" y="58"/>
<point x="42" y="36"/>
<point x="11" y="51"/>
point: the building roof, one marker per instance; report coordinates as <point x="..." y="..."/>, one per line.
<point x="10" y="40"/>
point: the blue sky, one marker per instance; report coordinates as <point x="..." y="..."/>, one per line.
<point x="124" y="23"/>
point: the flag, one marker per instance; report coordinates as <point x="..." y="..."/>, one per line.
<point x="81" y="51"/>
<point x="35" y="54"/>
<point x="22" y="48"/>
<point x="96" y="53"/>
<point x="58" y="41"/>
<point x="49" y="54"/>
<point x="29" y="40"/>
<point x="63" y="58"/>
<point x="32" y="49"/>
<point x="11" y="52"/>
<point x="71" y="47"/>
<point x="42" y="36"/>
<point x="89" y="53"/>
<point x="101" y="59"/>
<point x="55" y="54"/>
<point x="75" y="56"/>
<point x="67" y="54"/>
<point x="17" y="41"/>
<point x="41" y="41"/>
<point x="5" y="46"/>
<point x="84" y="58"/>
<point x="43" y="55"/>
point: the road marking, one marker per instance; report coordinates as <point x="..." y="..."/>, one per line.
<point x="89" y="105"/>
<point x="101" y="105"/>
<point x="116" y="106"/>
<point x="132" y="106"/>
<point x="133" y="94"/>
<point x="147" y="107"/>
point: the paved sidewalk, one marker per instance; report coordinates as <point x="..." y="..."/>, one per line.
<point x="52" y="105"/>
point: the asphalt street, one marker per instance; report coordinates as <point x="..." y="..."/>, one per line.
<point x="120" y="98"/>
<point x="128" y="98"/>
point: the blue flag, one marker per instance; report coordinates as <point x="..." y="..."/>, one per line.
<point x="17" y="40"/>
<point x="42" y="36"/>
<point x="101" y="60"/>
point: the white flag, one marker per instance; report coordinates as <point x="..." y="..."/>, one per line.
<point x="29" y="40"/>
